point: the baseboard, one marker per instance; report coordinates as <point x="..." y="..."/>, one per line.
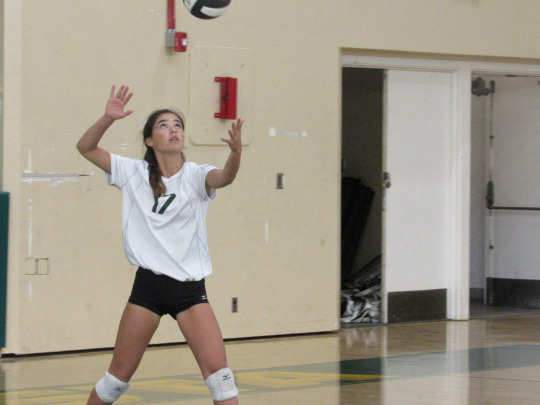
<point x="409" y="306"/>
<point x="516" y="293"/>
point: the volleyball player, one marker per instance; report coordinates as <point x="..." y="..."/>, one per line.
<point x="164" y="204"/>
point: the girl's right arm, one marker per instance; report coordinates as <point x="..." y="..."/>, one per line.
<point x="88" y="144"/>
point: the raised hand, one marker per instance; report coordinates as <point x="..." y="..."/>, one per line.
<point x="235" y="133"/>
<point x="116" y="103"/>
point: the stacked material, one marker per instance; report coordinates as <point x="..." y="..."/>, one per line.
<point x="361" y="300"/>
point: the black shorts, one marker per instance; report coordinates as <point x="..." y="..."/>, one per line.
<point x="162" y="294"/>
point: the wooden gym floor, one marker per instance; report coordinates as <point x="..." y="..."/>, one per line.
<point x="492" y="360"/>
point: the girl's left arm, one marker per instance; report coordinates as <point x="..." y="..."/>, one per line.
<point x="219" y="178"/>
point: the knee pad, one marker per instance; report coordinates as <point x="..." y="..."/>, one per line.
<point x="110" y="388"/>
<point x="221" y="385"/>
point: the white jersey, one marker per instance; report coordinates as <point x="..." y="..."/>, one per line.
<point x="167" y="236"/>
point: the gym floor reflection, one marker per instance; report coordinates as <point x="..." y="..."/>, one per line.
<point x="482" y="361"/>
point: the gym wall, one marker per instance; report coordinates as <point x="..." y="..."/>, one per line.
<point x="275" y="250"/>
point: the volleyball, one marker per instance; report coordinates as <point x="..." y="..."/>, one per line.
<point x="207" y="9"/>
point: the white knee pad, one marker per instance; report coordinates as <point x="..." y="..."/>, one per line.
<point x="110" y="388"/>
<point x="221" y="385"/>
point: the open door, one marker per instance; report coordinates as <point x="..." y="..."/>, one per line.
<point x="418" y="183"/>
<point x="513" y="278"/>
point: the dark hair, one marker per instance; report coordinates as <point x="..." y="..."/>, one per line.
<point x="158" y="187"/>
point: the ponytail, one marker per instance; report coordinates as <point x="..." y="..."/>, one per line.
<point x="154" y="174"/>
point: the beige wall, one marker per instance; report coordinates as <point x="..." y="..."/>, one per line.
<point x="276" y="250"/>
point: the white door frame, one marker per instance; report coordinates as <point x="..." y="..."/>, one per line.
<point x="462" y="71"/>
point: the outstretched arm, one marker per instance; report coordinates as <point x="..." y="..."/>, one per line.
<point x="218" y="178"/>
<point x="114" y="110"/>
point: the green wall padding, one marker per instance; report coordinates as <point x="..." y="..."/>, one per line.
<point x="4" y="227"/>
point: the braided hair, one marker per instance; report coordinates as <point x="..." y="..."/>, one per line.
<point x="156" y="182"/>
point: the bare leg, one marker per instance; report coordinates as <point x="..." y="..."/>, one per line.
<point x="201" y="330"/>
<point x="136" y="329"/>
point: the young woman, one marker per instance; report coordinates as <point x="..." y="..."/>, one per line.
<point x="164" y="203"/>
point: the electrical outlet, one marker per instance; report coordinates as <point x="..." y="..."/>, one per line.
<point x="280" y="181"/>
<point x="235" y="304"/>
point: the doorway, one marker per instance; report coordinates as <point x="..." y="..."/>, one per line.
<point x="362" y="154"/>
<point x="505" y="202"/>
<point x="398" y="145"/>
<point x="459" y="235"/>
